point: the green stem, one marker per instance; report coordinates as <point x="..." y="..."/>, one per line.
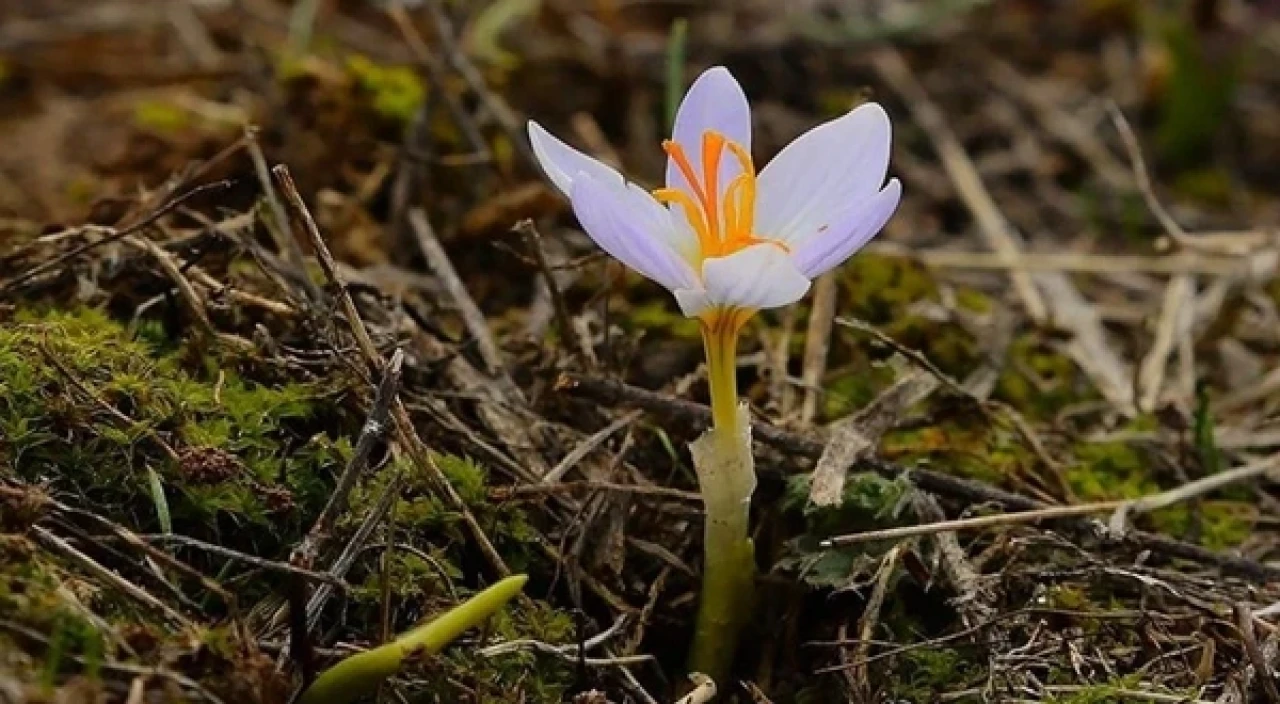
<point x="728" y="585"/>
<point x="726" y="474"/>
<point x="361" y="673"/>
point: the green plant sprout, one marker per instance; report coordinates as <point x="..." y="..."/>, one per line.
<point x="361" y="673"/>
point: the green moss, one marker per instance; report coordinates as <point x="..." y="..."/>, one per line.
<point x="1111" y="470"/>
<point x="663" y="316"/>
<point x="421" y="511"/>
<point x="879" y="287"/>
<point x="1117" y="470"/>
<point x="1215" y="524"/>
<point x="249" y="451"/>
<point x="160" y="116"/>
<point x="967" y="446"/>
<point x="396" y="91"/>
<point x="1209" y="186"/>
<point x="920" y="674"/>
<point x="1114" y="691"/>
<point x="40" y="595"/>
<point x="972" y="300"/>
<point x="541" y="679"/>
<point x="850" y="391"/>
<point x="1039" y="381"/>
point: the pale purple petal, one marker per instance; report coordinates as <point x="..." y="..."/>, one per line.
<point x="822" y="174"/>
<point x="757" y="277"/>
<point x="715" y="101"/>
<point x="846" y="233"/>
<point x="562" y="162"/>
<point x="693" y="301"/>
<point x="632" y="227"/>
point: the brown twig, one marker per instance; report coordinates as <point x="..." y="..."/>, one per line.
<point x="586" y="446"/>
<point x="857" y="673"/>
<point x="614" y="393"/>
<point x="503" y="493"/>
<point x="259" y="562"/>
<point x="282" y="231"/>
<point x="1001" y="519"/>
<point x="58" y="545"/>
<point x="405" y="431"/>
<point x="458" y="59"/>
<point x="564" y="321"/>
<point x="374" y="429"/>
<point x="112" y="235"/>
<point x="817" y="343"/>
<point x="996" y="230"/>
<point x="472" y="317"/>
<point x="1261" y="668"/>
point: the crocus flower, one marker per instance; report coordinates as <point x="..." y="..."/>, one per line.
<point x="726" y="240"/>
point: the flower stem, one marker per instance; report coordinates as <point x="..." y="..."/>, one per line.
<point x="726" y="474"/>
<point x="720" y="341"/>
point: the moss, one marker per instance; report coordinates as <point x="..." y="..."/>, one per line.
<point x="195" y="404"/>
<point x="1215" y="524"/>
<point x="1210" y="187"/>
<point x="663" y="316"/>
<point x="421" y="511"/>
<point x="430" y="579"/>
<point x="1117" y="470"/>
<point x="41" y="596"/>
<point x="967" y="446"/>
<point x="1111" y="470"/>
<point x="919" y="675"/>
<point x="949" y="346"/>
<point x="1114" y="691"/>
<point x="396" y="91"/>
<point x="160" y="116"/>
<point x="1038" y="380"/>
<point x="879" y="287"/>
<point x="850" y="391"/>
<point x="973" y="300"/>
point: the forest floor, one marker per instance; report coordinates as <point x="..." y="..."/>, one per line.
<point x="1066" y="339"/>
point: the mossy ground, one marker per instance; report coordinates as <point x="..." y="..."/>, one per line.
<point x="88" y="405"/>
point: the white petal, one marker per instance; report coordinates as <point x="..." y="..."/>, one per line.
<point x="822" y="173"/>
<point x="562" y="163"/>
<point x="716" y="102"/>
<point x="758" y="277"/>
<point x="693" y="301"/>
<point x="632" y="227"/>
<point x="847" y="232"/>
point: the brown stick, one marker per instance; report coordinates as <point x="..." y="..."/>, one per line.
<point x="608" y="392"/>
<point x="403" y="423"/>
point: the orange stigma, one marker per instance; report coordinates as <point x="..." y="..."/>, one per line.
<point x="724" y="223"/>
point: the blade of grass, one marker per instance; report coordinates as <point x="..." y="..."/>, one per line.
<point x="676" y="44"/>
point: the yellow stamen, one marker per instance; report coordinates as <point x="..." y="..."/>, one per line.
<point x="694" y="214"/>
<point x="712" y="152"/>
<point x="723" y="224"/>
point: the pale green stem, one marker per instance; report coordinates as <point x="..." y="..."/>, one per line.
<point x="727" y="477"/>
<point x="361" y="673"/>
